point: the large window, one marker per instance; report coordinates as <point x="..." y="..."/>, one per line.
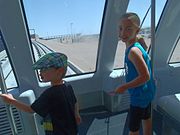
<point x="7" y="71"/>
<point x="142" y="9"/>
<point x="175" y="58"/>
<point x="68" y="26"/>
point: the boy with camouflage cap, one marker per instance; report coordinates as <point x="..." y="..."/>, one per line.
<point x="57" y="102"/>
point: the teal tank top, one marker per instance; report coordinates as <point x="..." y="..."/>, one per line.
<point x="142" y="95"/>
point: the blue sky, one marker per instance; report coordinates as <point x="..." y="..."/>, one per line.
<point x="58" y="17"/>
<point x="141" y="7"/>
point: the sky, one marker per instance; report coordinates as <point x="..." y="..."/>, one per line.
<point x="59" y="17"/>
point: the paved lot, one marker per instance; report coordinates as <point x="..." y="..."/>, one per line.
<point x="83" y="53"/>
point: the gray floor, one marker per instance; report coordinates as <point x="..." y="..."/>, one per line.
<point x="113" y="125"/>
<point x="99" y="121"/>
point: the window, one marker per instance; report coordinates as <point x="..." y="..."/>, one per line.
<point x="142" y="9"/>
<point x="68" y="26"/>
<point x="8" y="73"/>
<point x="175" y="58"/>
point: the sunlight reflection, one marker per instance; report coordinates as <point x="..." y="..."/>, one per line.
<point x="177" y="96"/>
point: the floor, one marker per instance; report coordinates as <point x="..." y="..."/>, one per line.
<point x="99" y="121"/>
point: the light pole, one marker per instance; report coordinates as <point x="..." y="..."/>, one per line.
<point x="71" y="24"/>
<point x="34" y="33"/>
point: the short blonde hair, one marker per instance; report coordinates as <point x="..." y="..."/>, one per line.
<point x="133" y="17"/>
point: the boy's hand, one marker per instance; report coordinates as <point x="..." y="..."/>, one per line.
<point x="120" y="89"/>
<point x="112" y="93"/>
<point x="8" y="98"/>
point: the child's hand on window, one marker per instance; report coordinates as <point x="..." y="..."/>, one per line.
<point x="7" y="98"/>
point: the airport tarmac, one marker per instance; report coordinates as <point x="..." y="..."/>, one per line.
<point x="84" y="53"/>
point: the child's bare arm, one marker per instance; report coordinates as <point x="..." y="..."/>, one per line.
<point x="137" y="59"/>
<point x="8" y="98"/>
<point x="135" y="56"/>
<point x="77" y="115"/>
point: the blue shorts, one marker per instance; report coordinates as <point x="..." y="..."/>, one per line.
<point x="136" y="114"/>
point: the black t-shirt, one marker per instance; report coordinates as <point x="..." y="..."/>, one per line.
<point x="59" y="103"/>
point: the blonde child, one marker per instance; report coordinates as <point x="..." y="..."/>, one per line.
<point x="57" y="102"/>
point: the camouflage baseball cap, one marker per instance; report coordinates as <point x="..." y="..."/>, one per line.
<point x="55" y="59"/>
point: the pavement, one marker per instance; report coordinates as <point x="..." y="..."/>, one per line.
<point x="84" y="53"/>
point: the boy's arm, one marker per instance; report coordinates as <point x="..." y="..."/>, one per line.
<point x="77" y="115"/>
<point x="8" y="98"/>
<point x="135" y="56"/>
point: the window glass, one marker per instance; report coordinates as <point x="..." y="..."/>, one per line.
<point x="175" y="58"/>
<point x="68" y="26"/>
<point x="143" y="10"/>
<point x="7" y="71"/>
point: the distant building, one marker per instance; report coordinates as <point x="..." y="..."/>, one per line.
<point x="145" y="32"/>
<point x="34" y="36"/>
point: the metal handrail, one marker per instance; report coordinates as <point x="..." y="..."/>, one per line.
<point x="145" y="16"/>
<point x="153" y="25"/>
<point x="8" y="107"/>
